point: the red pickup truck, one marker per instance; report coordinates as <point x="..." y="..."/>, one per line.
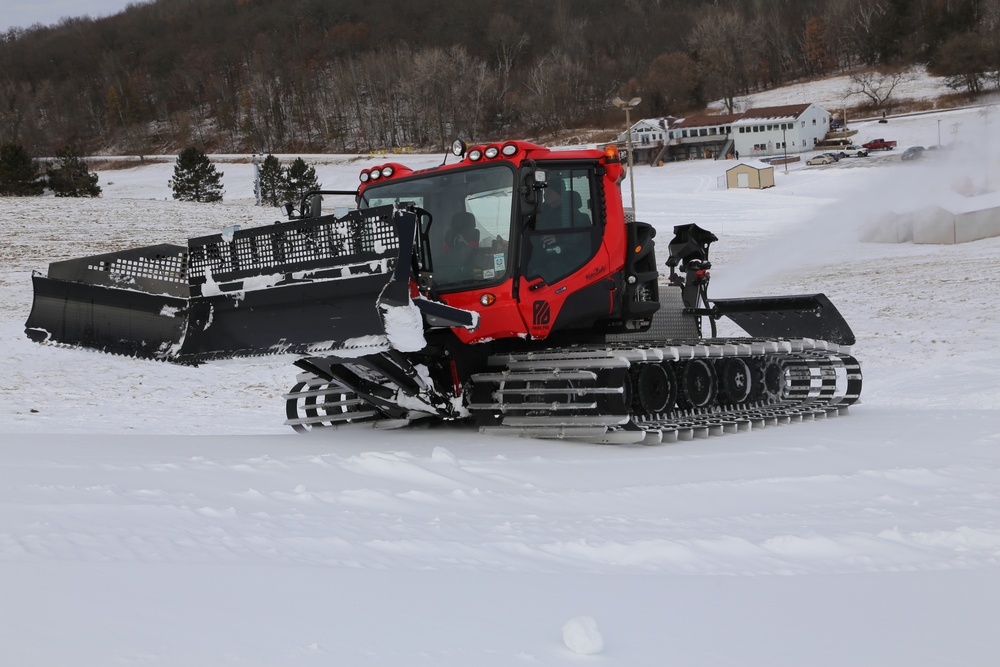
<point x="880" y="145"/>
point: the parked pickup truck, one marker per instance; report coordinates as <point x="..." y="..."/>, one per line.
<point x="879" y="145"/>
<point x="854" y="151"/>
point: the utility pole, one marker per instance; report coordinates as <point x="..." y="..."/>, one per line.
<point x="628" y="106"/>
<point x="784" y="144"/>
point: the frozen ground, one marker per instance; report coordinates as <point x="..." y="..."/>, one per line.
<point x="156" y="515"/>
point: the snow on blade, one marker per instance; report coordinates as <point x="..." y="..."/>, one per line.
<point x="404" y="327"/>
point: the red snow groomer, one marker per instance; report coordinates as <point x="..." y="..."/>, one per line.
<point x="508" y="287"/>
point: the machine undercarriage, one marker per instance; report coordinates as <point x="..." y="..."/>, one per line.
<point x="614" y="393"/>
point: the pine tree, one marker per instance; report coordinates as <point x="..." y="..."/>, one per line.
<point x="273" y="183"/>
<point x="300" y="178"/>
<point x="71" y="177"/>
<point x="19" y="172"/>
<point x="195" y="177"/>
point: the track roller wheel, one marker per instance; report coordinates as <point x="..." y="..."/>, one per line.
<point x="772" y="378"/>
<point x="655" y="390"/>
<point x="699" y="384"/>
<point x="735" y="380"/>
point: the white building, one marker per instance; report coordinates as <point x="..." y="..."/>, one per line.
<point x="649" y="131"/>
<point x="792" y="128"/>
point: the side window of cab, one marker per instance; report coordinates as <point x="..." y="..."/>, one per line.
<point x="563" y="236"/>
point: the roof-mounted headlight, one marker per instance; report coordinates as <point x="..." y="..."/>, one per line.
<point x="509" y="149"/>
<point x="458" y="148"/>
<point x="475" y="154"/>
<point x="365" y="177"/>
<point x="376" y="173"/>
<point x="492" y="152"/>
<point x="387" y="171"/>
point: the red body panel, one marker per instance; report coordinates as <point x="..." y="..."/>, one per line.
<point x="500" y="320"/>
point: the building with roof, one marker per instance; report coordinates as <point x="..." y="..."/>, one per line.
<point x="792" y="129"/>
<point x="648" y="131"/>
<point x="750" y="174"/>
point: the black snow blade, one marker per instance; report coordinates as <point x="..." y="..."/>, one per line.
<point x="302" y="286"/>
<point x="131" y="302"/>
<point x="794" y="316"/>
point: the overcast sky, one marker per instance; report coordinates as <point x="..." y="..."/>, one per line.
<point x="25" y="13"/>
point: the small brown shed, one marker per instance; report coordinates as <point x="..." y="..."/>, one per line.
<point x="750" y="174"/>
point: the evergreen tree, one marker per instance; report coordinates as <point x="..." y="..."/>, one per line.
<point x="19" y="172"/>
<point x="300" y="178"/>
<point x="70" y="177"/>
<point x="195" y="177"/>
<point x="273" y="182"/>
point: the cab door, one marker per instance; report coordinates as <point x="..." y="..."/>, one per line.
<point x="562" y="259"/>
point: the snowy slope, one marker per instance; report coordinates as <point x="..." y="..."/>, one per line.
<point x="156" y="515"/>
<point x="834" y="93"/>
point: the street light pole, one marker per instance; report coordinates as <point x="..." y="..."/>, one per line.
<point x="628" y="106"/>
<point x="784" y="145"/>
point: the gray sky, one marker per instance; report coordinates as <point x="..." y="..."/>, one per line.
<point x="24" y="13"/>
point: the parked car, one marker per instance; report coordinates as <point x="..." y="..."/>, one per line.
<point x="913" y="152"/>
<point x="880" y="145"/>
<point x="834" y="156"/>
<point x="820" y="159"/>
<point x="854" y="151"/>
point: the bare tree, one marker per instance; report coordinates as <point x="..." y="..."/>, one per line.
<point x="815" y="51"/>
<point x="474" y="92"/>
<point x="777" y="24"/>
<point x="726" y="51"/>
<point x="852" y="27"/>
<point x="670" y="83"/>
<point x="989" y="28"/>
<point x="877" y="85"/>
<point x="508" y="39"/>
<point x="555" y="91"/>
<point x="15" y="107"/>
<point x="429" y="94"/>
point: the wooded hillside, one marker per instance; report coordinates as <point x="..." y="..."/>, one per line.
<point x="348" y="76"/>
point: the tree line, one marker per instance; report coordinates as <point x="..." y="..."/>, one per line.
<point x="286" y="76"/>
<point x="195" y="177"/>
<point x="67" y="175"/>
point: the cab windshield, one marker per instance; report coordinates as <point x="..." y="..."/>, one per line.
<point x="472" y="213"/>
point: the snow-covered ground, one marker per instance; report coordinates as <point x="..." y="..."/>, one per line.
<point x="159" y="515"/>
<point x="834" y="93"/>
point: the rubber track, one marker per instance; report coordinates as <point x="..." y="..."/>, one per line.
<point x="819" y="380"/>
<point x="579" y="393"/>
